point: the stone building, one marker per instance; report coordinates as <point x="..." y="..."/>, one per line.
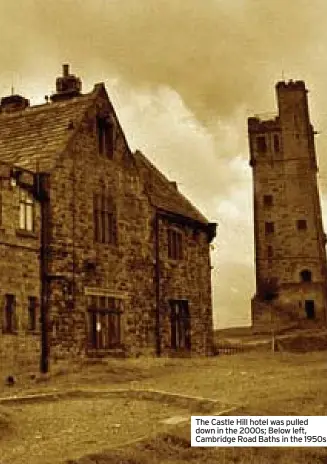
<point x="290" y="255"/>
<point x="96" y="245"/>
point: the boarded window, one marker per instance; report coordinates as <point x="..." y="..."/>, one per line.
<point x="301" y="224"/>
<point x="175" y="244"/>
<point x="104" y="219"/>
<point x="269" y="228"/>
<point x="104" y="322"/>
<point x="9" y="314"/>
<point x="32" y="313"/>
<point x="105" y="132"/>
<point x="180" y="323"/>
<point x="261" y="144"/>
<point x="26" y="211"/>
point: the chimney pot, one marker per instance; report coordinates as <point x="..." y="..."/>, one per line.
<point x="65" y="70"/>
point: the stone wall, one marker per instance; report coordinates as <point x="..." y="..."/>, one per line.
<point x="124" y="270"/>
<point x="20" y="277"/>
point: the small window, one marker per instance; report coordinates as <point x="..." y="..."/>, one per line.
<point x="26" y="211"/>
<point x="309" y="306"/>
<point x="270" y="252"/>
<point x="261" y="144"/>
<point x="9" y="315"/>
<point x="105" y="133"/>
<point x="267" y="200"/>
<point x="276" y="143"/>
<point x="175" y="244"/>
<point x="32" y="314"/>
<point x="269" y="228"/>
<point x="104" y="219"/>
<point x="306" y="275"/>
<point x="301" y="224"/>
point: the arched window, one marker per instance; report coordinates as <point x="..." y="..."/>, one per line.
<point x="306" y="275"/>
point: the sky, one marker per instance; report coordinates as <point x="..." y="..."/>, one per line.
<point x="183" y="77"/>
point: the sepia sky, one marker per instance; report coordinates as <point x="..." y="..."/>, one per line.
<point x="183" y="77"/>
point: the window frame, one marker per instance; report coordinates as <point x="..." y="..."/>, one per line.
<point x="9" y="322"/>
<point x="175" y="242"/>
<point x="269" y="228"/>
<point x="26" y="211"/>
<point x="105" y="137"/>
<point x="104" y="220"/>
<point x="32" y="309"/>
<point x="107" y="312"/>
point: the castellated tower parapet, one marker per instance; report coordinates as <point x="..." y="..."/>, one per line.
<point x="290" y="256"/>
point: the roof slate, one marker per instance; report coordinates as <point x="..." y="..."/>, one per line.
<point x="34" y="137"/>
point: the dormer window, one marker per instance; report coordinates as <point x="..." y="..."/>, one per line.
<point x="105" y="133"/>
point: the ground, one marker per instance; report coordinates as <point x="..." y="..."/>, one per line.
<point x="126" y="429"/>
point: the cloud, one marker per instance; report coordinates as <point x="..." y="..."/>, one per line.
<point x="183" y="77"/>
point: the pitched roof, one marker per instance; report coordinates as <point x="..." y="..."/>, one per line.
<point x="34" y="137"/>
<point x="163" y="193"/>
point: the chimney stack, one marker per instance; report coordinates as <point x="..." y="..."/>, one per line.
<point x="67" y="85"/>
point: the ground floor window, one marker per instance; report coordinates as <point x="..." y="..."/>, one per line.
<point x="180" y="325"/>
<point x="104" y="322"/>
<point x="9" y="314"/>
<point x="32" y="319"/>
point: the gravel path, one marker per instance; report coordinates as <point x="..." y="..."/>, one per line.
<point x="52" y="432"/>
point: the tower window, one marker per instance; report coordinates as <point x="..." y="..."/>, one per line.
<point x="267" y="200"/>
<point x="301" y="224"/>
<point x="261" y="144"/>
<point x="269" y="228"/>
<point x="276" y="143"/>
<point x="306" y="275"/>
<point x="270" y="252"/>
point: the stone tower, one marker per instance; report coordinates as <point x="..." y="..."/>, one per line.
<point x="290" y="254"/>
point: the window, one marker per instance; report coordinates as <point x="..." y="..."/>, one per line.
<point x="261" y="144"/>
<point x="269" y="228"/>
<point x="306" y="275"/>
<point x="32" y="314"/>
<point x="267" y="200"/>
<point x="104" y="220"/>
<point x="105" y="134"/>
<point x="180" y="325"/>
<point x="276" y="143"/>
<point x="175" y="244"/>
<point x="104" y="322"/>
<point x="9" y="315"/>
<point x="270" y="252"/>
<point x="26" y="211"/>
<point x="309" y="306"/>
<point x="301" y="224"/>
